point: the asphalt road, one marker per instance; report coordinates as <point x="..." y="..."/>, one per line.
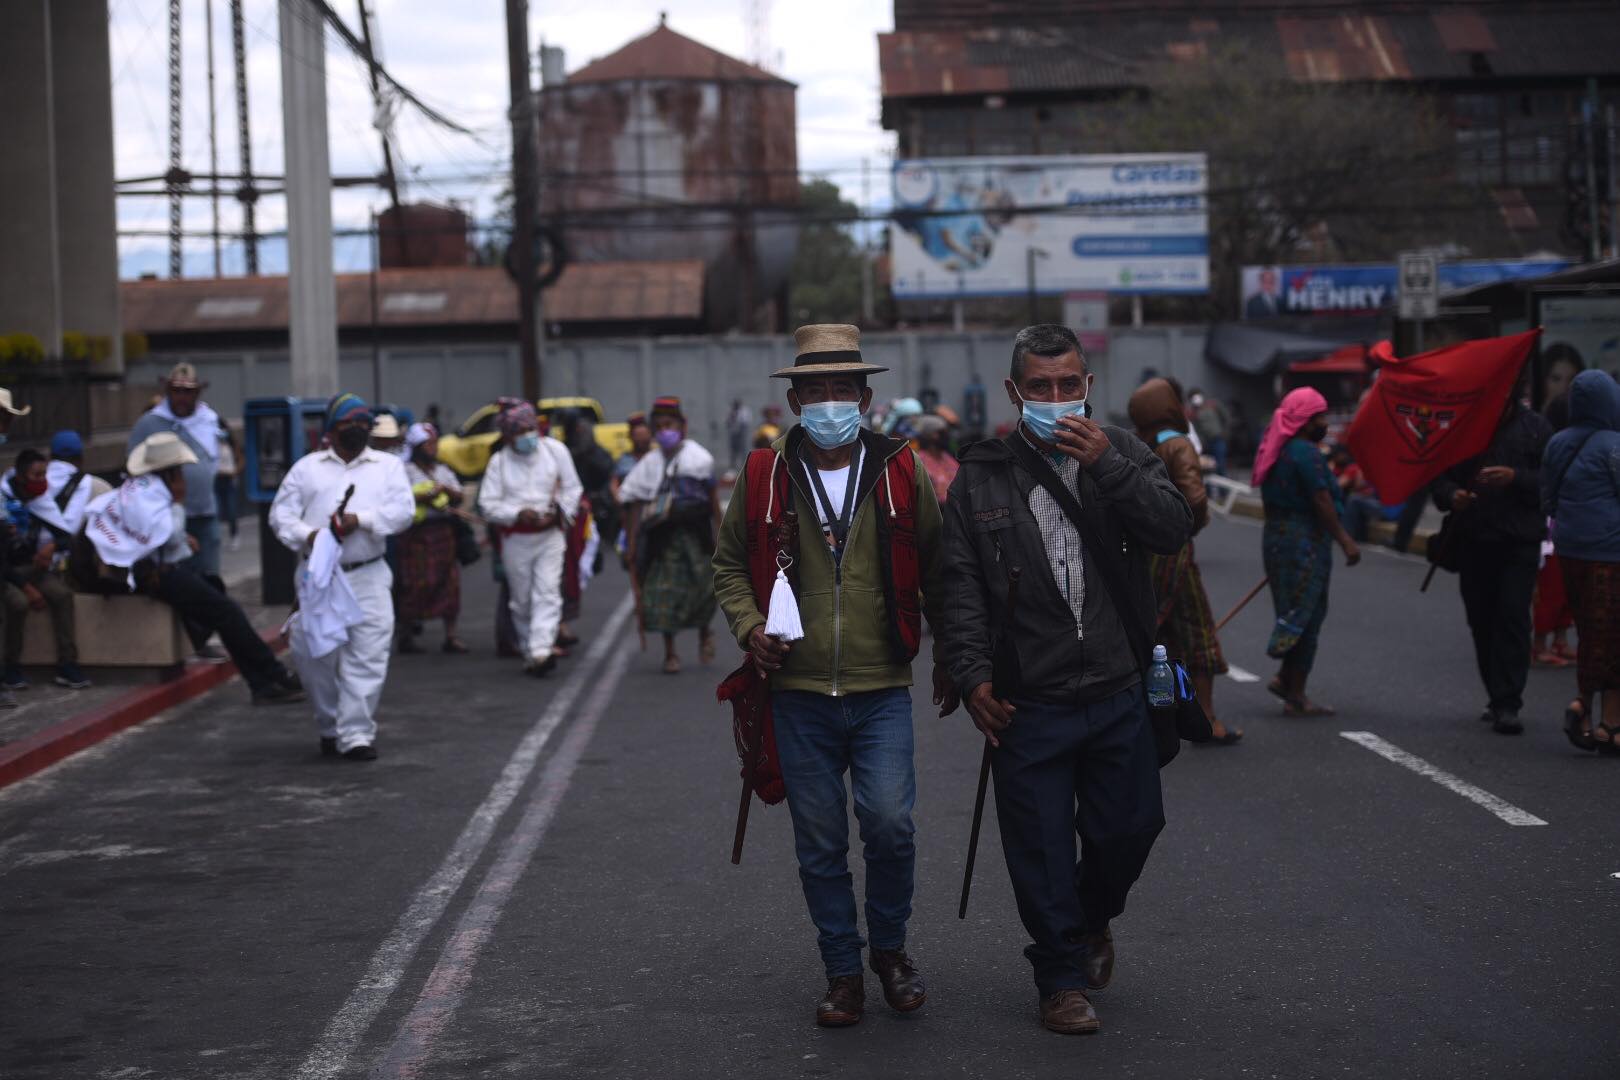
<point x="534" y="881"/>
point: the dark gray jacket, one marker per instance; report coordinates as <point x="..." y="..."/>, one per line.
<point x="989" y="528"/>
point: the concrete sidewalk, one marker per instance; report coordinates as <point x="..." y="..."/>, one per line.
<point x="50" y="722"/>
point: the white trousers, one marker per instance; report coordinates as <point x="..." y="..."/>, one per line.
<point x="345" y="684"/>
<point x="534" y="563"/>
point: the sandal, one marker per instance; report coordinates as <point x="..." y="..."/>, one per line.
<point x="1546" y="658"/>
<point x="1576" y="728"/>
<point x="1307" y="709"/>
<point x="1609" y="744"/>
<point x="455" y="645"/>
<point x="1275" y="688"/>
<point x="1230" y="738"/>
<point x="567" y="637"/>
<point x="672" y="665"/>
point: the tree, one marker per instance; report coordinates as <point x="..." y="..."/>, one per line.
<point x="824" y="283"/>
<point x="1296" y="169"/>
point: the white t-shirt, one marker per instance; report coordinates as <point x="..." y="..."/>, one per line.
<point x="836" y="483"/>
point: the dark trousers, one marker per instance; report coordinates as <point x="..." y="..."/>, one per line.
<point x="200" y="604"/>
<point x="1062" y="771"/>
<point x="1498" y="582"/>
<point x="58" y="602"/>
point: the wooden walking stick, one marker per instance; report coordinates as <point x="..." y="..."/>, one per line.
<point x="1003" y="674"/>
<point x="1243" y="603"/>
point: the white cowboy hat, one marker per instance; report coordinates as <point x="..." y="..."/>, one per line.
<point x="162" y="451"/>
<point x="386" y="427"/>
<point x="5" y="403"/>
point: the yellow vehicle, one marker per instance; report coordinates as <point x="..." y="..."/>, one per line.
<point x="468" y="450"/>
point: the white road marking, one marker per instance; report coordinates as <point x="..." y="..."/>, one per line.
<point x="1237" y="674"/>
<point x="387" y="967"/>
<point x="1390" y="752"/>
<point x="447" y="984"/>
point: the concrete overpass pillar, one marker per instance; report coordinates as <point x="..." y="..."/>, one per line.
<point x="311" y="287"/>
<point x="86" y="211"/>
<point x="30" y="279"/>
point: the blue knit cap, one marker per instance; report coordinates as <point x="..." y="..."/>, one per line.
<point x="66" y="444"/>
<point x="345" y="406"/>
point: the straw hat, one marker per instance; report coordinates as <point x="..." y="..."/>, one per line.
<point x="828" y="349"/>
<point x="5" y="403"/>
<point x="162" y="451"/>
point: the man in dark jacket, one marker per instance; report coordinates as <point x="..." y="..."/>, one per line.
<point x="1073" y="727"/>
<point x="1496" y="498"/>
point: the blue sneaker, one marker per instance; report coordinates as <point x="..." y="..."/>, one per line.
<point x="70" y="676"/>
<point x="12" y="679"/>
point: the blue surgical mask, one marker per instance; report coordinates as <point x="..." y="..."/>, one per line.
<point x="831" y="424"/>
<point x="526" y="443"/>
<point x="1041" y="417"/>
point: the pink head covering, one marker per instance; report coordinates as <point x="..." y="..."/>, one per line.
<point x="1295" y="411"/>
<point x="516" y="419"/>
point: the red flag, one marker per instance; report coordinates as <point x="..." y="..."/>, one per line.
<point x="1431" y="411"/>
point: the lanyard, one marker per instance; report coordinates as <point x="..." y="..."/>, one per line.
<point x="838" y="526"/>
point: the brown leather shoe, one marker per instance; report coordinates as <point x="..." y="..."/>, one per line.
<point x="844" y="1002"/>
<point x="1069" y="1012"/>
<point x="902" y="986"/>
<point x="1099" y="962"/>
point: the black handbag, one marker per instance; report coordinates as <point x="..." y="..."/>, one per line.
<point x="1185" y="719"/>
<point x="468" y="550"/>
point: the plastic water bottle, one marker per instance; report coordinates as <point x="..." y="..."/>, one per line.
<point x="1161" y="682"/>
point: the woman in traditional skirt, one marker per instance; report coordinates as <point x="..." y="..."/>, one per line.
<point x="673" y="513"/>
<point x="1580" y="488"/>
<point x="429" y="575"/>
<point x="1186" y="628"/>
<point x="1302" y="525"/>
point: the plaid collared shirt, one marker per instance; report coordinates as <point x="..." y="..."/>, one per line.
<point x="1061" y="538"/>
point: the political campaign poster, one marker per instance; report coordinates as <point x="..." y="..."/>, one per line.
<point x="1578" y="332"/>
<point x="1000" y="226"/>
<point x="1270" y="292"/>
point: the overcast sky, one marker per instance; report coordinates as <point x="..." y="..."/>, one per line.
<point x="453" y="56"/>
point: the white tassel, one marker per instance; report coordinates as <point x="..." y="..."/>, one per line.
<point x="782" y="621"/>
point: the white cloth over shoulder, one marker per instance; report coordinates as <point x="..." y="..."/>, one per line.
<point x="202" y="426"/>
<point x="67" y="518"/>
<point x="130" y="522"/>
<point x="644" y="481"/>
<point x="327" y="606"/>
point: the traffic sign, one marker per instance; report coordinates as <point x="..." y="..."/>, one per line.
<point x="1418" y="285"/>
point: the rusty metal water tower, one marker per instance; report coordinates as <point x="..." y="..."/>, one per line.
<point x="666" y="150"/>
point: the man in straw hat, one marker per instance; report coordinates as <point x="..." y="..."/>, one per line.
<point x="363" y="496"/>
<point x="135" y="539"/>
<point x="1066" y="717"/>
<point x="862" y="545"/>
<point x="673" y="507"/>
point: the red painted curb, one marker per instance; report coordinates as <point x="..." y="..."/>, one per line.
<point x="45" y="748"/>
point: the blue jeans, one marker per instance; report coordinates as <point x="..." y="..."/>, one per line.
<point x="818" y="738"/>
<point x="1216" y="448"/>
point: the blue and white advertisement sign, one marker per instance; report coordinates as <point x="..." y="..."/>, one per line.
<point x="1120" y="223"/>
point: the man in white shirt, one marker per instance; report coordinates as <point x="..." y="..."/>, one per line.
<point x="530" y="493"/>
<point x="345" y="684"/>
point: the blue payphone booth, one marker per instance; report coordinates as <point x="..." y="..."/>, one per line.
<point x="277" y="432"/>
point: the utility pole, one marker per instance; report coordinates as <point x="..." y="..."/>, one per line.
<point x="525" y="196"/>
<point x="245" y="194"/>
<point x="867" y="315"/>
<point x="311" y="287"/>
<point x="1614" y="187"/>
<point x="213" y="131"/>
<point x="175" y="174"/>
<point x="1594" y="240"/>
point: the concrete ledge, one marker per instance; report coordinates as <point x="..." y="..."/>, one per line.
<point x="111" y="631"/>
<point x="43" y="749"/>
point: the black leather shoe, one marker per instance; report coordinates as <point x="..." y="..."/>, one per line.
<point x="843" y="1003"/>
<point x="361" y="753"/>
<point x="902" y="986"/>
<point x="1507" y="723"/>
<point x="328" y="747"/>
<point x="1099" y="962"/>
<point x="278" y="694"/>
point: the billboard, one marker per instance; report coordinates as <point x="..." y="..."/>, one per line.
<point x="999" y="226"/>
<point x="1272" y="291"/>
<point x="1577" y="332"/>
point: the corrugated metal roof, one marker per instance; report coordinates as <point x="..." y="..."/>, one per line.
<point x="440" y="296"/>
<point x="628" y="292"/>
<point x="664" y="54"/>
<point x="1108" y="50"/>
